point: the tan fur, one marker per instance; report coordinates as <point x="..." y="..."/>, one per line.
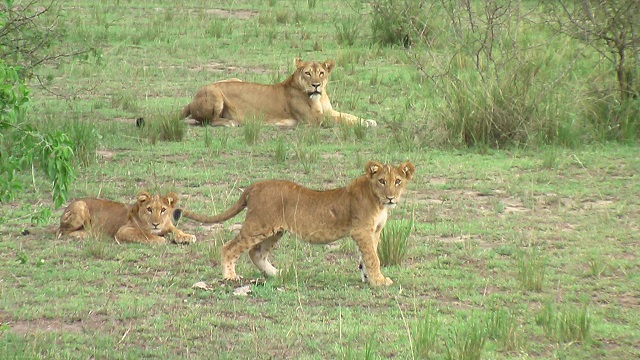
<point x="300" y="98"/>
<point x="275" y="206"/>
<point x="146" y="221"/>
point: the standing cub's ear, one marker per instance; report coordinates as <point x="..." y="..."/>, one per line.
<point x="372" y="167"/>
<point x="329" y="65"/>
<point x="408" y="169"/>
<point x="171" y="199"/>
<point x="143" y="196"/>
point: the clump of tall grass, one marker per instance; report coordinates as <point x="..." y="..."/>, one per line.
<point x="502" y="326"/>
<point x="402" y="22"/>
<point x="531" y="271"/>
<point x="164" y="127"/>
<point x="252" y="128"/>
<point x="565" y="324"/>
<point x="394" y="242"/>
<point x="425" y="334"/>
<point x="467" y="340"/>
<point x="85" y="139"/>
<point x="347" y="31"/>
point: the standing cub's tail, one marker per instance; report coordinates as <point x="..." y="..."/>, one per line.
<point x="215" y="219"/>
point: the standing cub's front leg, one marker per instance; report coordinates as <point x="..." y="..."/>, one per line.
<point x="365" y="241"/>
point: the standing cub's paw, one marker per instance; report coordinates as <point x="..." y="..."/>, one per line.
<point x="381" y="281"/>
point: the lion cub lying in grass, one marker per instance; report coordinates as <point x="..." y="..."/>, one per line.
<point x="300" y="98"/>
<point x="275" y="206"/>
<point x="146" y="221"/>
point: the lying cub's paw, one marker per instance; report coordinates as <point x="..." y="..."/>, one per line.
<point x="370" y="123"/>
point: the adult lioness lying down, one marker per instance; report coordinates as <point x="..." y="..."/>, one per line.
<point x="300" y="98"/>
<point x="146" y="221"/>
<point x="275" y="206"/>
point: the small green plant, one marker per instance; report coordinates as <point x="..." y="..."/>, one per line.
<point x="312" y="4"/>
<point x="305" y="156"/>
<point x="96" y="247"/>
<point x="360" y="131"/>
<point x="565" y="324"/>
<point x="218" y="28"/>
<point x="597" y="266"/>
<point x="425" y="334"/>
<point x="252" y="127"/>
<point x="550" y="158"/>
<point x="282" y="16"/>
<point x="280" y="154"/>
<point x="531" y="269"/>
<point x="467" y="340"/>
<point x="394" y="241"/>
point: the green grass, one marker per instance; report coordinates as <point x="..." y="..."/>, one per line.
<point x="469" y="282"/>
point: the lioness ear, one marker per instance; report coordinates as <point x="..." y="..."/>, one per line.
<point x="299" y="63"/>
<point x="372" y="167"/>
<point x="408" y="169"/>
<point x="143" y="196"/>
<point x="172" y="199"/>
<point x="329" y="65"/>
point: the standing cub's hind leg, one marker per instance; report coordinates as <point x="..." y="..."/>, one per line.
<point x="232" y="250"/>
<point x="259" y="255"/>
<point x="75" y="220"/>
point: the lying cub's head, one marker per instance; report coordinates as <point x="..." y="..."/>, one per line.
<point x="312" y="76"/>
<point x="154" y="213"/>
<point x="388" y="182"/>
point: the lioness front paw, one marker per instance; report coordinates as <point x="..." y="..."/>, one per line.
<point x="370" y="123"/>
<point x="381" y="281"/>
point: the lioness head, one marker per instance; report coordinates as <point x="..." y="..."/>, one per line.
<point x="154" y="213"/>
<point x="312" y="76"/>
<point x="388" y="182"/>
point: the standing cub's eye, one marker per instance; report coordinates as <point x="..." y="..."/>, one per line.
<point x="321" y="73"/>
<point x="382" y="181"/>
<point x="149" y="209"/>
<point x="307" y="73"/>
<point x="163" y="210"/>
<point x="398" y="181"/>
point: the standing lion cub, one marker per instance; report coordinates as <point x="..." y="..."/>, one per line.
<point x="275" y="206"/>
<point x="146" y="221"/>
<point x="300" y="98"/>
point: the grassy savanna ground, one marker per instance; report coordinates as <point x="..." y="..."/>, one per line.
<point x="524" y="253"/>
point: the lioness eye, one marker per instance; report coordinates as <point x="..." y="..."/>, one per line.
<point x="149" y="209"/>
<point x="307" y="73"/>
<point x="162" y="211"/>
<point x="398" y="181"/>
<point x="383" y="181"/>
<point x="321" y="73"/>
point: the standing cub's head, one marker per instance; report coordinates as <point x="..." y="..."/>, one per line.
<point x="388" y="182"/>
<point x="312" y="77"/>
<point x="154" y="213"/>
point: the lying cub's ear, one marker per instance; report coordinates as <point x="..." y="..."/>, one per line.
<point x="372" y="167"/>
<point x="408" y="169"/>
<point x="143" y="196"/>
<point x="177" y="214"/>
<point x="329" y="65"/>
<point x="171" y="198"/>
